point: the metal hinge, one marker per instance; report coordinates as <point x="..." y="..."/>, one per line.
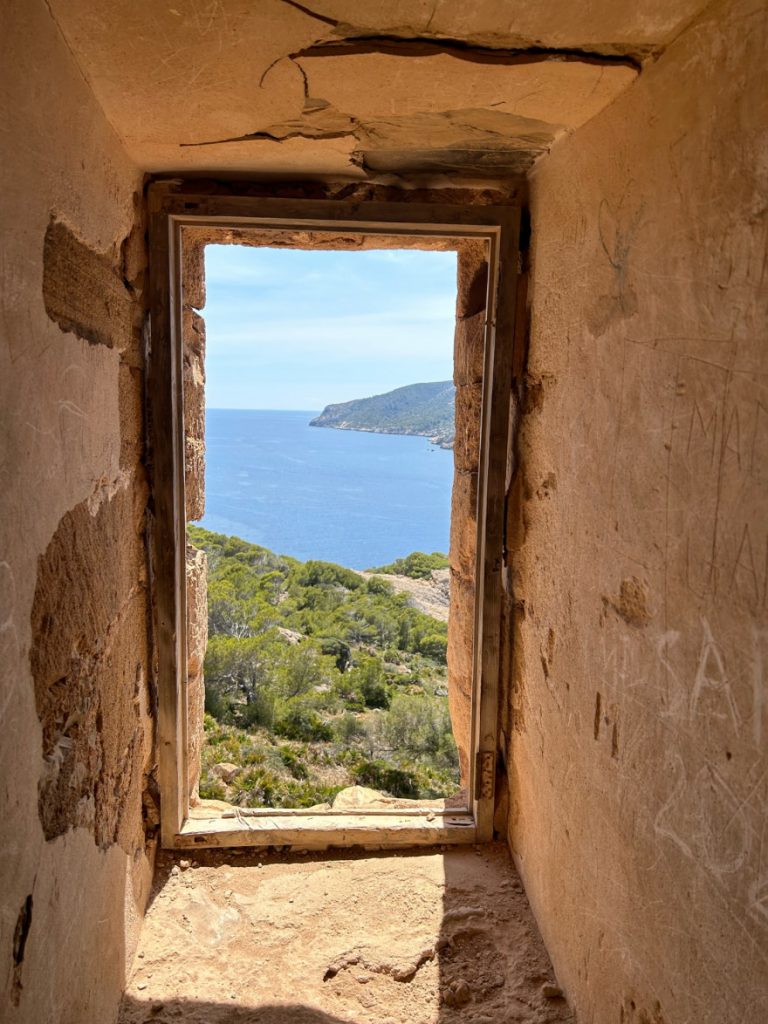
<point x="485" y="772"/>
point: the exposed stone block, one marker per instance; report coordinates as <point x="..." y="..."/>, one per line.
<point x="469" y="349"/>
<point x="194" y="413"/>
<point x="460" y="646"/>
<point x="89" y="663"/>
<point x="131" y="399"/>
<point x="197" y="641"/>
<point x="466" y="446"/>
<point x="84" y="292"/>
<point x="471" y="279"/>
<point x="464" y="524"/>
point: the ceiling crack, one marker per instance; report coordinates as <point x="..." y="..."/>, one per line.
<point x="427" y="47"/>
<point x="312" y="14"/>
<point x="272" y="137"/>
<point x="292" y="58"/>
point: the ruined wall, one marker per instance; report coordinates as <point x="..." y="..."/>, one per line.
<point x="76" y="731"/>
<point x="638" y="770"/>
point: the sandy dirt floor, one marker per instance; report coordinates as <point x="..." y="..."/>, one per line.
<point x="421" y="938"/>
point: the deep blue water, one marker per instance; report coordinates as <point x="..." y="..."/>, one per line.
<point x="311" y="492"/>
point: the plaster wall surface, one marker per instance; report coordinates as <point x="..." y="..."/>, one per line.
<point x="74" y="699"/>
<point x="639" y="719"/>
<point x="358" y="90"/>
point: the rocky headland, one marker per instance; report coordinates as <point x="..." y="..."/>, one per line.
<point x="424" y="410"/>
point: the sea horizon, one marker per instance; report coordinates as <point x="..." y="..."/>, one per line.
<point x="357" y="498"/>
<point x="237" y="408"/>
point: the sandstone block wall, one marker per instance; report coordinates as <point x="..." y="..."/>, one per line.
<point x="472" y="281"/>
<point x="197" y="643"/>
<point x="638" y="766"/>
<point x="75" y="694"/>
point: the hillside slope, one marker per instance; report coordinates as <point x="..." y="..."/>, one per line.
<point x="423" y="409"/>
<point x="317" y="679"/>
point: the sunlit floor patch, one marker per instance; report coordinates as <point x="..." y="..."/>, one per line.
<point x="419" y="938"/>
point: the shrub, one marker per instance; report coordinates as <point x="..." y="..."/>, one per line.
<point x="416" y="724"/>
<point x="212" y="789"/>
<point x="293" y="762"/>
<point x="299" y="722"/>
<point x="434" y="646"/>
<point x="378" y="774"/>
<point x="348" y="728"/>
<point x="336" y="649"/>
<point x="376" y="585"/>
<point x="370" y="680"/>
<point x="327" y="574"/>
<point x="418" y="565"/>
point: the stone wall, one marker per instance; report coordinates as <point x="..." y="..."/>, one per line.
<point x="76" y="750"/>
<point x="638" y="769"/>
<point x="469" y="341"/>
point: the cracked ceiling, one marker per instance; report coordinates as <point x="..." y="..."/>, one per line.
<point x="359" y="88"/>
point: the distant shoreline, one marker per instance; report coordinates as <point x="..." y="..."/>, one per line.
<point x="434" y="440"/>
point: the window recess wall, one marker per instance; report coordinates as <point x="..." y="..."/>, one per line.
<point x="180" y="221"/>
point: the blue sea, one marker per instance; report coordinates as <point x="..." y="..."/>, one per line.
<point x="312" y="492"/>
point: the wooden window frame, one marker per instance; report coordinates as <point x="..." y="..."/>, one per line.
<point x="171" y="210"/>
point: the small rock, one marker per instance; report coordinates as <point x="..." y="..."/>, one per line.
<point x="550" y="991"/>
<point x="462" y="993"/>
<point x="141" y="986"/>
<point x="141" y="955"/>
<point x="175" y="870"/>
<point x="458" y="993"/>
<point x="185" y="864"/>
<point x="358" y="796"/>
<point x="226" y="771"/>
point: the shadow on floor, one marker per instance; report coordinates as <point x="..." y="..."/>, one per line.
<point x="191" y="1012"/>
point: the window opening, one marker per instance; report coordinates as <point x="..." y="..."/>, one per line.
<point x="326" y="528"/>
<point x="181" y="227"/>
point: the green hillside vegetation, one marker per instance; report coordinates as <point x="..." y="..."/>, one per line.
<point x="423" y="409"/>
<point x="316" y="679"/>
<point x="417" y="565"/>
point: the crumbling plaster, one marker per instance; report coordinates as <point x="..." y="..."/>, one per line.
<point x="359" y="90"/>
<point x="72" y="437"/>
<point x="637" y="749"/>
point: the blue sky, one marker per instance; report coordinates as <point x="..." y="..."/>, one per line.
<point x="287" y="329"/>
